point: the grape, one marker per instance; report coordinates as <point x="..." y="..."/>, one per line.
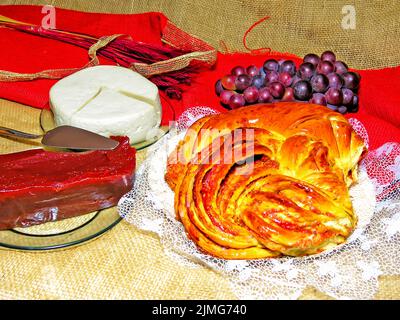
<point x="277" y="89"/>
<point x="351" y="80"/>
<point x="258" y="81"/>
<point x="335" y="81"/>
<point x="285" y="78"/>
<point x="334" y="96"/>
<point x="312" y="58"/>
<point x="251" y="94"/>
<point x="340" y="67"/>
<point x="218" y="87"/>
<point x="242" y="82"/>
<point x="265" y="95"/>
<point x="228" y="82"/>
<point x="319" y="80"/>
<point x="354" y="106"/>
<point x="288" y="95"/>
<point x="325" y="67"/>
<point x="302" y="90"/>
<point x="288" y="66"/>
<point x="347" y="96"/>
<point x="319" y="83"/>
<point x="328" y="56"/>
<point x="252" y="71"/>
<point x="296" y="79"/>
<point x="306" y="70"/>
<point x="318" y="98"/>
<point x="238" y="70"/>
<point x="272" y="76"/>
<point x="332" y="107"/>
<point x="236" y="101"/>
<point x="271" y="65"/>
<point x="342" y="109"/>
<point x="226" y="96"/>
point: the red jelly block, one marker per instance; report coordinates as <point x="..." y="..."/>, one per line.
<point x="38" y="186"/>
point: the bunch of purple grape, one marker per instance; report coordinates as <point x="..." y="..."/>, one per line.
<point x="320" y="80"/>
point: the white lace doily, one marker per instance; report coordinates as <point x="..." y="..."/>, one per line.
<point x="349" y="271"/>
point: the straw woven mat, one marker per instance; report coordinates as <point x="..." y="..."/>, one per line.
<point x="128" y="264"/>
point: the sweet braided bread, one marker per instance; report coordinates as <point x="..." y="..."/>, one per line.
<point x="266" y="180"/>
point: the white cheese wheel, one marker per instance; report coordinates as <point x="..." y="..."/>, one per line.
<point x="108" y="100"/>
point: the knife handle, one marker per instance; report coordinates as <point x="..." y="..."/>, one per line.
<point x="8" y="132"/>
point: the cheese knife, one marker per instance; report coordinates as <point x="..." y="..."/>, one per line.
<point x="66" y="137"/>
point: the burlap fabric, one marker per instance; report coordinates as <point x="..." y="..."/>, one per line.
<point x="126" y="263"/>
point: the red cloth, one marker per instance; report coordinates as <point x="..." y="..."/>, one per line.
<point x="25" y="53"/>
<point x="379" y="92"/>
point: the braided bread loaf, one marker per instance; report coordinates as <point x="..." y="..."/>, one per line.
<point x="283" y="189"/>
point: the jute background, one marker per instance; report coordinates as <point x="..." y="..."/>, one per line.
<point x="128" y="264"/>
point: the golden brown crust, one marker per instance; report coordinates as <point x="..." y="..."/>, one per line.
<point x="289" y="198"/>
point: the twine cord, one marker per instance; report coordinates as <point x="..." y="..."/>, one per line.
<point x="260" y="50"/>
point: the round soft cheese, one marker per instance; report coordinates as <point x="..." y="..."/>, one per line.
<point x="108" y="100"/>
